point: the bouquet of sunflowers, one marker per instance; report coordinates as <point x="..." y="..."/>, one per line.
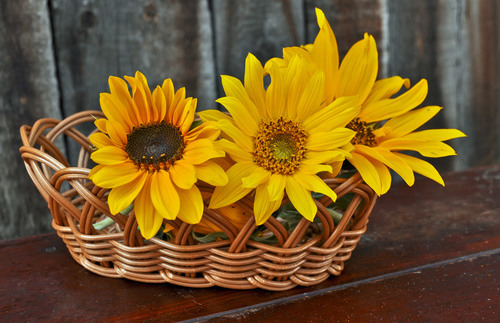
<point x="271" y="172"/>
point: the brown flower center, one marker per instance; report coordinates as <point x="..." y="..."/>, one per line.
<point x="279" y="146"/>
<point x="364" y="135"/>
<point x="155" y="146"/>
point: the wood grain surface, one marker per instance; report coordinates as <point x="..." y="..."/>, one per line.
<point x="56" y="57"/>
<point x="29" y="90"/>
<point x="430" y="253"/>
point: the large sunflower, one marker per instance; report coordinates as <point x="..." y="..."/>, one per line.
<point x="149" y="156"/>
<point x="384" y="127"/>
<point x="279" y="137"/>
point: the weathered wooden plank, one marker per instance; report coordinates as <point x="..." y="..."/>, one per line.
<point x="484" y="39"/>
<point x="349" y="19"/>
<point x="95" y="39"/>
<point x="455" y="46"/>
<point x="28" y="91"/>
<point x="260" y="27"/>
<point x="422" y="295"/>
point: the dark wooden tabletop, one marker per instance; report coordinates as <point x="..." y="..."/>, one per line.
<point x="430" y="253"/>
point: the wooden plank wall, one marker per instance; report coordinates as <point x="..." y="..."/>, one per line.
<point x="56" y="56"/>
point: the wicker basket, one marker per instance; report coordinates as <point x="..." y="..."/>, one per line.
<point x="302" y="257"/>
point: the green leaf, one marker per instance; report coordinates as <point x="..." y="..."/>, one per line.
<point x="258" y="237"/>
<point x="211" y="237"/>
<point x="336" y="216"/>
<point x="128" y="209"/>
<point x="103" y="224"/>
<point x="195" y="124"/>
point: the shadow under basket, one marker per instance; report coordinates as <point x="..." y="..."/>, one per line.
<point x="307" y="255"/>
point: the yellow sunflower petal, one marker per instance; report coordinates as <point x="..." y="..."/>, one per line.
<point x="426" y="148"/>
<point x="254" y="82"/>
<point x="324" y="157"/>
<point x="436" y="134"/>
<point x="122" y="196"/>
<point x="241" y="115"/>
<point x="183" y="174"/>
<point x="213" y="115"/>
<point x="100" y="140"/>
<point x="200" y="151"/>
<point x="164" y="195"/>
<point x="139" y="98"/>
<point x="211" y="173"/>
<point x="119" y="89"/>
<point x="310" y="101"/>
<point x="422" y="167"/>
<point x="102" y="125"/>
<point x="109" y="155"/>
<point x="321" y="141"/>
<point x="94" y="170"/>
<point x="367" y="171"/>
<point x="314" y="168"/>
<point x="390" y="108"/>
<point x="233" y="88"/>
<point x="263" y="206"/>
<point x="378" y="161"/>
<point x="398" y="165"/>
<point x="337" y="114"/>
<point x="142" y="83"/>
<point x="117" y="134"/>
<point x="176" y="109"/>
<point x="233" y="191"/>
<point x="207" y="130"/>
<point x="359" y="69"/>
<point x="300" y="198"/>
<point x="384" y="175"/>
<point x="115" y="175"/>
<point x="385" y="88"/>
<point x="236" y="153"/>
<point x="148" y="219"/>
<point x="191" y="205"/>
<point x="325" y="54"/>
<point x="236" y="134"/>
<point x="336" y="168"/>
<point x="294" y="80"/>
<point x="258" y="176"/>
<point x="314" y="184"/>
<point x="186" y="118"/>
<point x="113" y="110"/>
<point x="169" y="93"/>
<point x="160" y="104"/>
<point x="275" y="104"/>
<point x="406" y="123"/>
<point x="276" y="186"/>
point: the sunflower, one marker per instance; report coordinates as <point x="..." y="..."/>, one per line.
<point x="280" y="138"/>
<point x="384" y="127"/>
<point x="148" y="155"/>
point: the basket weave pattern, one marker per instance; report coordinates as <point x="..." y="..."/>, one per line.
<point x="305" y="256"/>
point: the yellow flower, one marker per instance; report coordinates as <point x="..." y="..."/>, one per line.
<point x="148" y="155"/>
<point x="279" y="137"/>
<point x="376" y="147"/>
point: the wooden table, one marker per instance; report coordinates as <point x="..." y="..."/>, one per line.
<point x="430" y="253"/>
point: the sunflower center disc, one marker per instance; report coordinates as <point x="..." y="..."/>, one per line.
<point x="364" y="135"/>
<point x="279" y="146"/>
<point x="155" y="146"/>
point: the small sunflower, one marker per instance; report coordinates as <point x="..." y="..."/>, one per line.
<point x="280" y="138"/>
<point x="384" y="127"/>
<point x="148" y="155"/>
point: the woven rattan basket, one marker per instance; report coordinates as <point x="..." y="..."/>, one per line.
<point x="305" y="256"/>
